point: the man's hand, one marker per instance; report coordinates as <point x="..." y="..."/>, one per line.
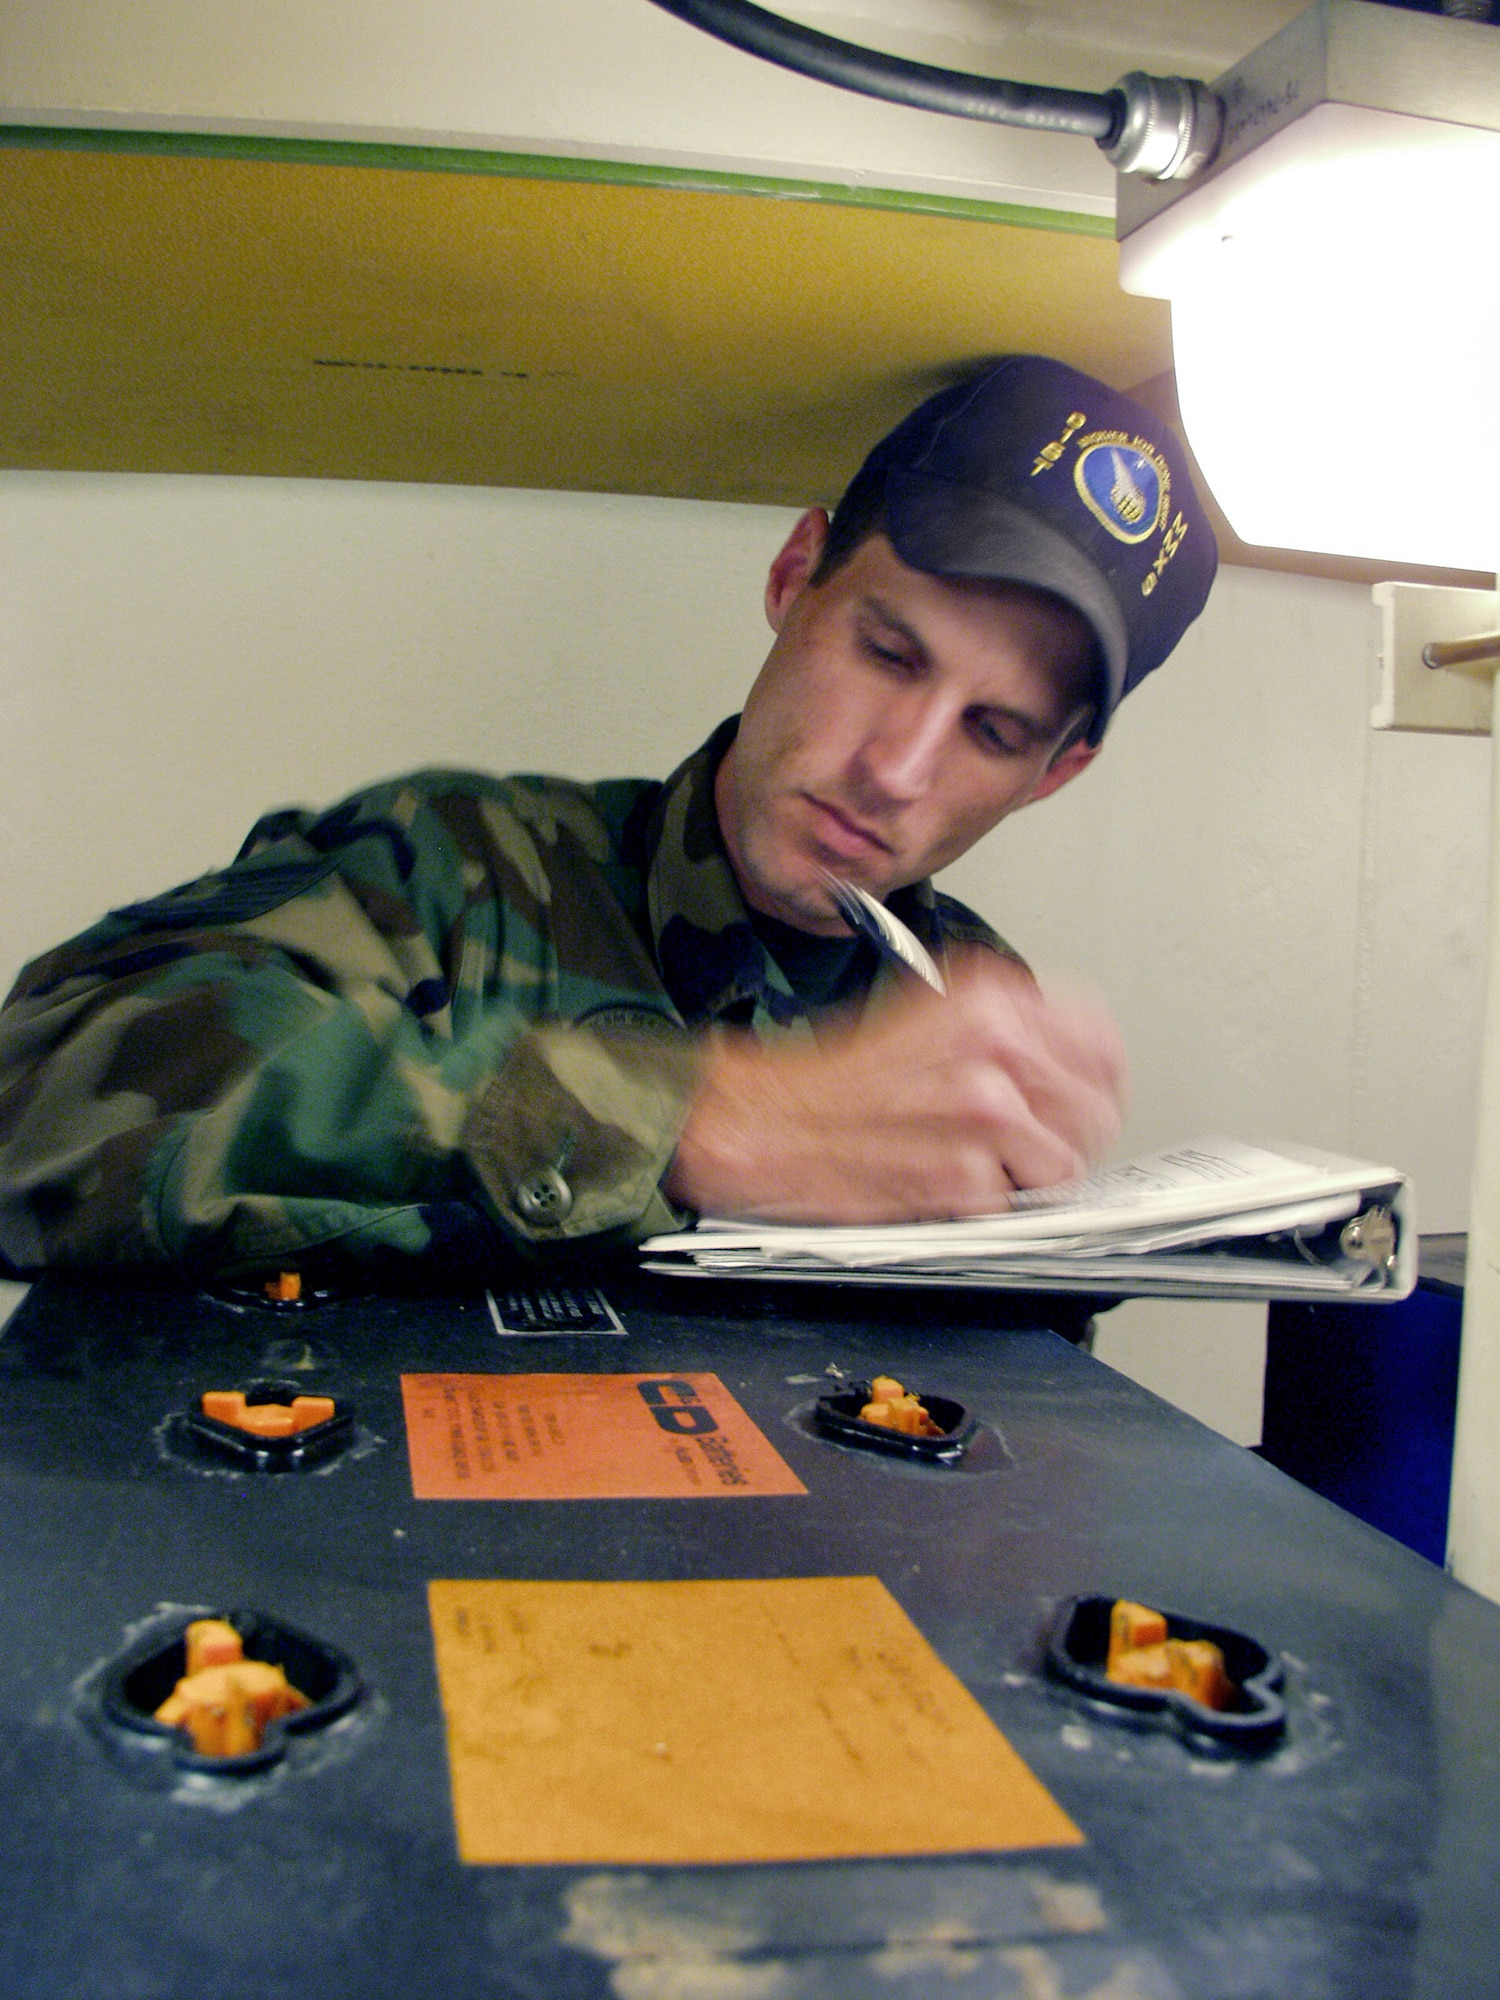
<point x="936" y="1107"/>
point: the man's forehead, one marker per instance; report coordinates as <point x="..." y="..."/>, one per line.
<point x="982" y="622"/>
<point x="876" y="556"/>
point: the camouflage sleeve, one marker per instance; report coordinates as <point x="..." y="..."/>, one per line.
<point x="944" y="924"/>
<point x="965" y="928"/>
<point x="363" y="1017"/>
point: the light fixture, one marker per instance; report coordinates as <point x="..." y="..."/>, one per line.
<point x="1335" y="287"/>
<point x="1323" y="220"/>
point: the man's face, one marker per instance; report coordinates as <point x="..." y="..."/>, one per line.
<point x="898" y="717"/>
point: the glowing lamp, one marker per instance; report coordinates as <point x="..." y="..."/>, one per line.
<point x="1335" y="288"/>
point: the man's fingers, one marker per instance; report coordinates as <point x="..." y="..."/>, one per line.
<point x="940" y="1107"/>
<point x="1038" y="1146"/>
<point x="1077" y="1030"/>
<point x="1078" y="1110"/>
<point x="1063" y="1069"/>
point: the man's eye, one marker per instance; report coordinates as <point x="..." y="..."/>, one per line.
<point x="895" y="657"/>
<point x="1000" y="739"/>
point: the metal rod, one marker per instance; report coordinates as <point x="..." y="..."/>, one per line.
<point x="1481" y="651"/>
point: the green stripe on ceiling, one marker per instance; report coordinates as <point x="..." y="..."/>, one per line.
<point x="539" y="167"/>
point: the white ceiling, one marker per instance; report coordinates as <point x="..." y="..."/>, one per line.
<point x="1085" y="42"/>
<point x="612" y="79"/>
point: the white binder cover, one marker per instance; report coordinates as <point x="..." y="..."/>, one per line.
<point x="1214" y="1218"/>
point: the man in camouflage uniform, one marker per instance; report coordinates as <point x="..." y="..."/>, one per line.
<point x="463" y="1013"/>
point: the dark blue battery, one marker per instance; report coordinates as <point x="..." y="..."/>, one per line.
<point x="1360" y="1400"/>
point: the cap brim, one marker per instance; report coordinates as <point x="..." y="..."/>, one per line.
<point x="952" y="530"/>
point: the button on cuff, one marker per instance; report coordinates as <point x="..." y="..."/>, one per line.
<point x="583" y="1123"/>
<point x="543" y="1197"/>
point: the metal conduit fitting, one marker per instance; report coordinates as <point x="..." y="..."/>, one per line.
<point x="1171" y="130"/>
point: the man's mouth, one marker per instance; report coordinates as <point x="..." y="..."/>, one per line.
<point x="840" y="834"/>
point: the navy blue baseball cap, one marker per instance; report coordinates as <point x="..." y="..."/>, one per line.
<point x="1033" y="473"/>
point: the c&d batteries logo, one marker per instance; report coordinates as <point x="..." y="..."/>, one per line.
<point x="1124" y="483"/>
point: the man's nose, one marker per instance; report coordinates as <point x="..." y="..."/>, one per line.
<point x="900" y="755"/>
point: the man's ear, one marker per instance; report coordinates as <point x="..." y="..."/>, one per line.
<point x="794" y="564"/>
<point x="1065" y="765"/>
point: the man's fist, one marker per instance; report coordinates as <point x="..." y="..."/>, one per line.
<point x="931" y="1108"/>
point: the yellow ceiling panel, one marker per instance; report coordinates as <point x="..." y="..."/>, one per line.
<point x="172" y="312"/>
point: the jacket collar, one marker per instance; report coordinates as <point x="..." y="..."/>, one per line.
<point x="710" y="957"/>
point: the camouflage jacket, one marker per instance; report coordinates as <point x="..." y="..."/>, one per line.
<point x="453" y="1001"/>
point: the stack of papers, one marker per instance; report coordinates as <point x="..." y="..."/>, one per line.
<point x="1213" y="1218"/>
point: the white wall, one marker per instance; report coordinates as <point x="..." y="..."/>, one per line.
<point x="1285" y="910"/>
<point x="179" y="654"/>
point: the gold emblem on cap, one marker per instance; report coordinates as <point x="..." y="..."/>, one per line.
<point x="1129" y="516"/>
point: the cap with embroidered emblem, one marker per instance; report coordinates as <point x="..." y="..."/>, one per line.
<point x="1036" y="474"/>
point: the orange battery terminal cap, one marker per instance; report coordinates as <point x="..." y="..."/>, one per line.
<point x="272" y="1420"/>
<point x="286" y="1286"/>
<point x="227" y="1709"/>
<point x="211" y="1642"/>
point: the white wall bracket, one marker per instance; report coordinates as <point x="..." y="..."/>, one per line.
<point x="1451" y="700"/>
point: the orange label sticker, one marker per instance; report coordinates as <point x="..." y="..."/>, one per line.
<point x="585" y="1437"/>
<point x="785" y="1719"/>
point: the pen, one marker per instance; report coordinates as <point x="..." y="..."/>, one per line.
<point x="890" y="937"/>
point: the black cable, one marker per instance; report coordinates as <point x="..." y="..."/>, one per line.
<point x="1039" y="107"/>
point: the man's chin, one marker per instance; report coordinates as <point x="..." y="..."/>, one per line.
<point x="805" y="905"/>
<point x="790" y="884"/>
<point x="821" y="913"/>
